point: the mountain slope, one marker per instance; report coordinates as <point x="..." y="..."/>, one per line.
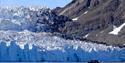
<point x="95" y="18"/>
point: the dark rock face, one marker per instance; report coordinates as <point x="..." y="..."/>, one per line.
<point x="96" y="18"/>
<point x="48" y="21"/>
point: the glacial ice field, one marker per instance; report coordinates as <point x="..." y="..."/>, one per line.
<point x="30" y="46"/>
<point x="18" y="42"/>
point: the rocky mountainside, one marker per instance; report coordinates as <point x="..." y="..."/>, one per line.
<point x="96" y="20"/>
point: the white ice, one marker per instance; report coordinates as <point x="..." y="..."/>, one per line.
<point x="85" y="12"/>
<point x="116" y="30"/>
<point x="74" y="19"/>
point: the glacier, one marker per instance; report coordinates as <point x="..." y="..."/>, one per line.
<point x="39" y="20"/>
<point x="30" y="46"/>
<point x="26" y="36"/>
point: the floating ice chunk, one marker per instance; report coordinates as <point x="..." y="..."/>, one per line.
<point x="116" y="30"/>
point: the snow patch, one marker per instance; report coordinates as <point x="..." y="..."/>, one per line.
<point x="96" y="35"/>
<point x="86" y="36"/>
<point x="102" y="32"/>
<point x="116" y="30"/>
<point x="74" y="19"/>
<point x="85" y="12"/>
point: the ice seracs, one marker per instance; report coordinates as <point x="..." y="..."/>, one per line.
<point x="46" y="41"/>
<point x="16" y="22"/>
<point x="116" y="30"/>
<point x="46" y="47"/>
<point x="30" y="46"/>
<point x="21" y="44"/>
